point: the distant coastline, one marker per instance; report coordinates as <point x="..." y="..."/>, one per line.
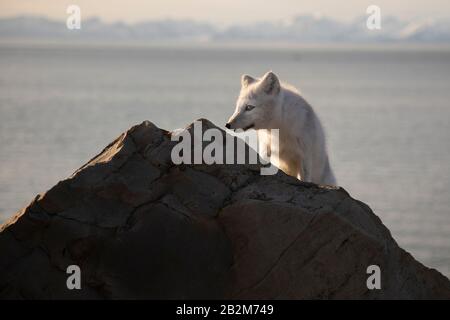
<point x="303" y="29"/>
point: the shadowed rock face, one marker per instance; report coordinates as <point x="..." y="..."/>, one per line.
<point x="141" y="227"/>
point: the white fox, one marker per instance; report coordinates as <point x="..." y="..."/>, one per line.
<point x="266" y="104"/>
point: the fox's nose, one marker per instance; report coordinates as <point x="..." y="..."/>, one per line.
<point x="227" y="126"/>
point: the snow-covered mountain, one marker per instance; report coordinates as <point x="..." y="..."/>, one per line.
<point x="299" y="29"/>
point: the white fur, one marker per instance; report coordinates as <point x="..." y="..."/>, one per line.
<point x="302" y="149"/>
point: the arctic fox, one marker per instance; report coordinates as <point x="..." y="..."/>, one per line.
<point x="266" y="104"/>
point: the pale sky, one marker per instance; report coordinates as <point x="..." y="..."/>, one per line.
<point x="224" y="12"/>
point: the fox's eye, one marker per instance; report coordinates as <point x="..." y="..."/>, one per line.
<point x="249" y="107"/>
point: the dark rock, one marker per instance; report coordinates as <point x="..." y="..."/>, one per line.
<point x="141" y="227"/>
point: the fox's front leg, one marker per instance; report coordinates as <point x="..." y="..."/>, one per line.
<point x="304" y="170"/>
<point x="302" y="173"/>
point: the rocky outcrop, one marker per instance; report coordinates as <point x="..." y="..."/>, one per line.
<point x="139" y="226"/>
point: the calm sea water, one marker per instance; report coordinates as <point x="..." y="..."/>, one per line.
<point x="386" y="113"/>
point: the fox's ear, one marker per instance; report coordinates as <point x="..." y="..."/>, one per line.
<point x="270" y="83"/>
<point x="246" y="80"/>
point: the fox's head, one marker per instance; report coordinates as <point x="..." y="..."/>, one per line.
<point x="257" y="103"/>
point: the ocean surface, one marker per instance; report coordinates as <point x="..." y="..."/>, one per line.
<point x="386" y="111"/>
